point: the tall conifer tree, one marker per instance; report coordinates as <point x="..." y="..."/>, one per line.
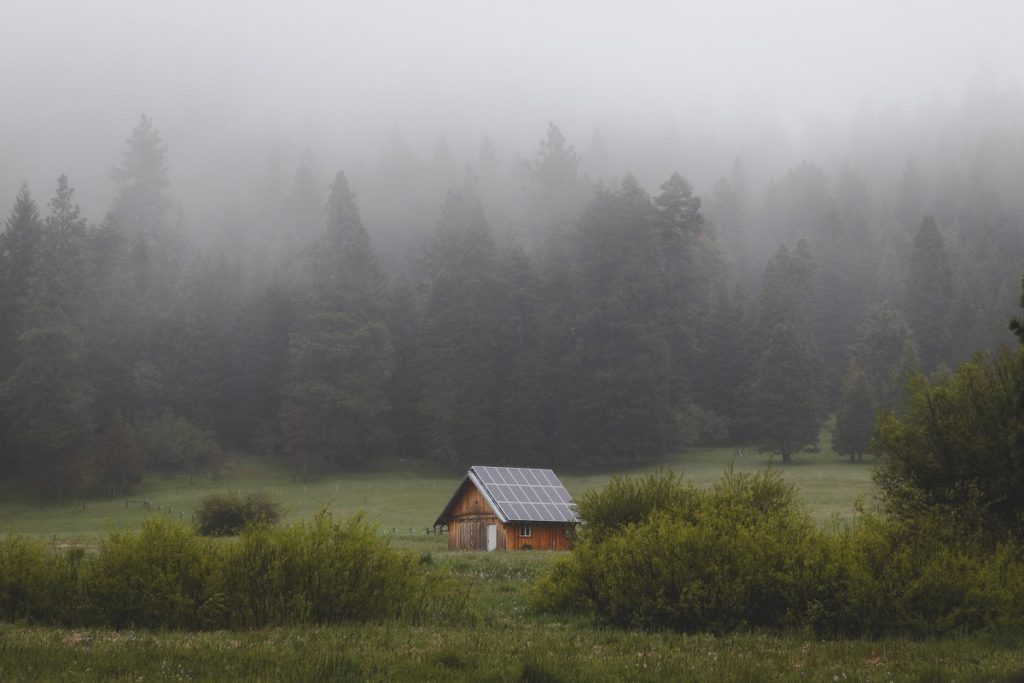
<point x="21" y="234"/>
<point x="339" y="356"/>
<point x="47" y="399"/>
<point x="619" y="366"/>
<point x="142" y="206"/>
<point x="785" y="395"/>
<point x="930" y="295"/>
<point x="458" y="340"/>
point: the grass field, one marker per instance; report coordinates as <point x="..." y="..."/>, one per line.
<point x="497" y="638"/>
<point x="402" y="497"/>
<point x="517" y="651"/>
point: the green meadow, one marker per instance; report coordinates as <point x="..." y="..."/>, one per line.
<point x="403" y="498"/>
<point x="497" y="637"/>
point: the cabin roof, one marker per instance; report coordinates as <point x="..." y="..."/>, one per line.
<point x="519" y="494"/>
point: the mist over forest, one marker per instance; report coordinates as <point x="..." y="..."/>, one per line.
<point x="570" y="237"/>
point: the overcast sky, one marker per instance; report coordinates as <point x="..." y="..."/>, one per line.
<point x="75" y="76"/>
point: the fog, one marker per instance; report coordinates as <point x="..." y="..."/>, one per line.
<point x="576" y="233"/>
<point x="670" y="86"/>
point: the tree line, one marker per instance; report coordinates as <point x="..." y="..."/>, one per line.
<point x="614" y="325"/>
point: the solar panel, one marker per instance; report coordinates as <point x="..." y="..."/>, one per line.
<point x="527" y="495"/>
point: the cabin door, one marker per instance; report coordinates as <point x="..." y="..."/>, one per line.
<point x="492" y="537"/>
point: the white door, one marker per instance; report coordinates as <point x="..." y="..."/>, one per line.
<point x="492" y="537"/>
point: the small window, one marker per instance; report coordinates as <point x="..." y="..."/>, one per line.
<point x="524" y="530"/>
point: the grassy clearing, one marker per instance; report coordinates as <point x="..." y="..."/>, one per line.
<point x="497" y="638"/>
<point x="496" y="652"/>
<point x="402" y="497"/>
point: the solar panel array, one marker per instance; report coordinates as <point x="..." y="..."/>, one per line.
<point x="527" y="495"/>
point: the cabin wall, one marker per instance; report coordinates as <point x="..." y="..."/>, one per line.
<point x="542" y="537"/>
<point x="470" y="502"/>
<point x="470" y="533"/>
<point x="467" y="525"/>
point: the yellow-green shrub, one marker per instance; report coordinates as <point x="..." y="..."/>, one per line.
<point x="317" y="572"/>
<point x="164" y="576"/>
<point x="156" y="578"/>
<point x="36" y="583"/>
<point x="743" y="555"/>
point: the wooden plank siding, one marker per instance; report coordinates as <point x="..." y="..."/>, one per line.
<point x="543" y="536"/>
<point x="469" y="517"/>
<point x="470" y="514"/>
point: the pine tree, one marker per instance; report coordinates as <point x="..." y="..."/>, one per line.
<point x="787" y="291"/>
<point x="304" y="204"/>
<point x="405" y="389"/>
<point x="785" y="395"/>
<point x="21" y="234"/>
<point x="556" y="190"/>
<point x="47" y="400"/>
<point x="930" y="295"/>
<point x="142" y="207"/>
<point x="140" y="262"/>
<point x="885" y="353"/>
<point x="855" y="419"/>
<point x="22" y="231"/>
<point x="458" y="340"/>
<point x="721" y="376"/>
<point x="619" y="365"/>
<point x="523" y="404"/>
<point x="252" y="354"/>
<point x="692" y="273"/>
<point x="334" y="401"/>
<point x="843" y="273"/>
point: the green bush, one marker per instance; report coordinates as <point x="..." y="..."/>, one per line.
<point x="156" y="578"/>
<point x="918" y="578"/>
<point x="38" y="585"/>
<point x="631" y="500"/>
<point x="319" y="572"/>
<point x="164" y="576"/>
<point x="744" y="555"/>
<point x="955" y="450"/>
<point x="226" y="514"/>
<point x="740" y="555"/>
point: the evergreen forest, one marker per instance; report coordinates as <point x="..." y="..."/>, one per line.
<point x="571" y="306"/>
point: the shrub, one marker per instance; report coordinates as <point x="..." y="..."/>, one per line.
<point x="918" y="578"/>
<point x="632" y="500"/>
<point x="740" y="555"/>
<point x="744" y="555"/>
<point x="226" y="514"/>
<point x="319" y="572"/>
<point x="956" y="448"/>
<point x="37" y="585"/>
<point x="164" y="576"/>
<point x="156" y="578"/>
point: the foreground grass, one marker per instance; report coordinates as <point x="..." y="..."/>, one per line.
<point x="494" y="652"/>
<point x="496" y="639"/>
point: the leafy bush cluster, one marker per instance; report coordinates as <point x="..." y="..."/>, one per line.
<point x="657" y="553"/>
<point x="958" y="448"/>
<point x="167" y="577"/>
<point x="226" y="514"/>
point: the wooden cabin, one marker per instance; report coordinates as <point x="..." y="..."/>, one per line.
<point x="509" y="508"/>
